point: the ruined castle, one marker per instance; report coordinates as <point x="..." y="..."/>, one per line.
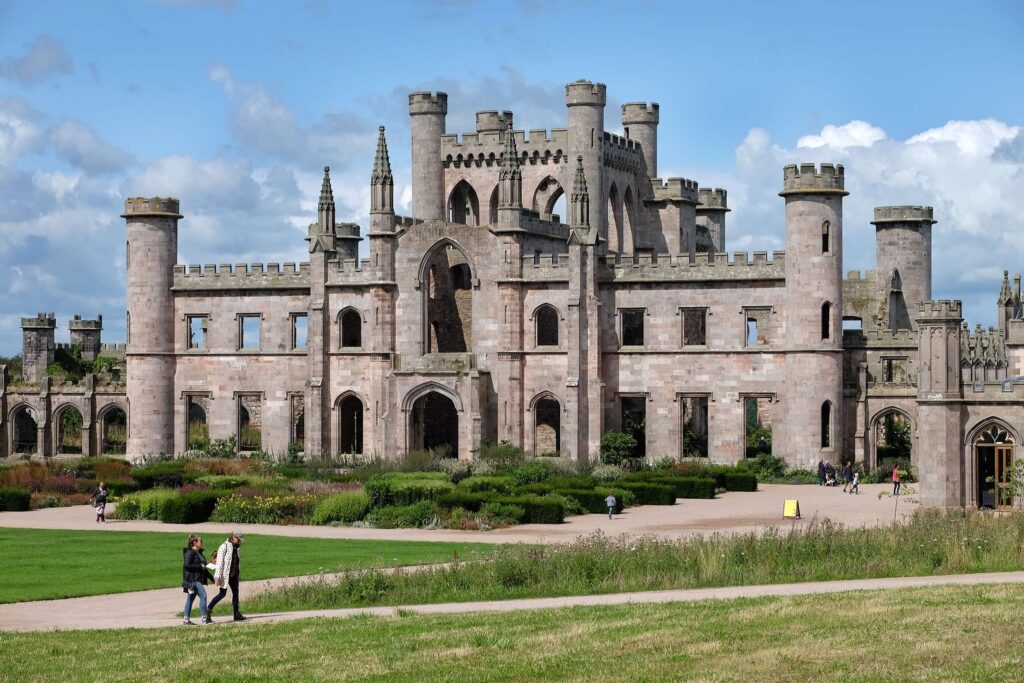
<point x="486" y="316"/>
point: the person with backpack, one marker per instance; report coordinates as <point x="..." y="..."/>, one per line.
<point x="99" y="500"/>
<point x="610" y="502"/>
<point x="228" y="563"/>
<point x="194" y="576"/>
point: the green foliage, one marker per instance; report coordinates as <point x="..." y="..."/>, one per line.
<point x="650" y="493"/>
<point x="144" y="504"/>
<point x="594" y="500"/>
<point x="501" y="456"/>
<point x="294" y="455"/>
<point x="617" y="448"/>
<point x="14" y="499"/>
<point x="529" y="473"/>
<point x="189" y="508"/>
<point x="695" y="445"/>
<point x="898" y="440"/>
<point x="279" y="509"/>
<point x="120" y="487"/>
<point x="501" y="514"/>
<point x="607" y="472"/>
<point x="250" y="438"/>
<point x="198" y="436"/>
<point x="405" y="488"/>
<point x="165" y="473"/>
<point x="341" y="508"/>
<point x="764" y="466"/>
<point x="546" y="509"/>
<point x="739" y="481"/>
<point x="759" y="441"/>
<point x="466" y="500"/>
<point x="415" y="515"/>
<point x="480" y="482"/>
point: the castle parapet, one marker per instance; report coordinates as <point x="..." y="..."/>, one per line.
<point x="485" y="148"/>
<point x="242" y="276"/>
<point x="585" y="93"/>
<point x="709" y="199"/>
<point x="640" y="112"/>
<point x="428" y="103"/>
<point x="40" y="321"/>
<point x="903" y="214"/>
<point x="492" y="121"/>
<point x="675" y="189"/>
<point x="678" y="267"/>
<point x="167" y="207"/>
<point x="940" y="309"/>
<point x="808" y="178"/>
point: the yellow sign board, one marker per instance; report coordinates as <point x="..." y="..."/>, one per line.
<point x="792" y="510"/>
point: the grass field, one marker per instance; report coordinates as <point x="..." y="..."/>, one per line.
<point x="935" y="634"/>
<point x="40" y="564"/>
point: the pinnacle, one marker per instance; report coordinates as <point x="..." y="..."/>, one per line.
<point x="511" y="158"/>
<point x="381" y="161"/>
<point x="579" y="185"/>
<point x="326" y="193"/>
<point x="1005" y="295"/>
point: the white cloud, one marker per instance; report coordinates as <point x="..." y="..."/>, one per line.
<point x="45" y="57"/>
<point x="20" y="131"/>
<point x="852" y="134"/>
<point x="77" y="143"/>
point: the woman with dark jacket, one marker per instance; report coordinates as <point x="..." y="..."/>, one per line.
<point x="195" y="576"/>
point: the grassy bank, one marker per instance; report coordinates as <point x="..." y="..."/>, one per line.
<point x="41" y="564"/>
<point x="928" y="544"/>
<point x="933" y="634"/>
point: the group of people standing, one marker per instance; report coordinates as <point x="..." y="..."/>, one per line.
<point x="196" y="573"/>
<point x="851" y="479"/>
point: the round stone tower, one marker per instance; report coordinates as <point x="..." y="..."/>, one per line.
<point x="903" y="243"/>
<point x="640" y="121"/>
<point x="152" y="226"/>
<point x="427" y="111"/>
<point x="586" y="102"/>
<point x="814" y="312"/>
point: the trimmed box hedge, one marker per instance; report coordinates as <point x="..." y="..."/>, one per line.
<point x="650" y="493"/>
<point x="464" y="499"/>
<point x="189" y="508"/>
<point x="739" y="481"/>
<point x="167" y="473"/>
<point x="14" y="499"/>
<point x="121" y="487"/>
<point x="536" y="509"/>
<point x="594" y="499"/>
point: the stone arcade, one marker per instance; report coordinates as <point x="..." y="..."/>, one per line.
<point x="485" y="317"/>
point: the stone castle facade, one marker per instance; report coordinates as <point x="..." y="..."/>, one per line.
<point x="487" y="317"/>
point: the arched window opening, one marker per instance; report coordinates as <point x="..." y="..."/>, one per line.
<point x="614" y="235"/>
<point x="461" y="277"/>
<point x="350" y="425"/>
<point x="549" y="200"/>
<point x="547" y="326"/>
<point x="351" y="329"/>
<point x="434" y="425"/>
<point x="113" y="431"/>
<point x="449" y="308"/>
<point x="628" y="222"/>
<point x="463" y="205"/>
<point x="298" y="414"/>
<point x="826" y="424"/>
<point x="494" y="206"/>
<point x="548" y="427"/>
<point x="26" y="434"/>
<point x="994" y="449"/>
<point x="826" y="320"/>
<point x="69" y="431"/>
<point x="826" y="228"/>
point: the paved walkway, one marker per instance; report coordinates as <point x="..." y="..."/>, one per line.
<point x="155" y="609"/>
<point x="729" y="513"/>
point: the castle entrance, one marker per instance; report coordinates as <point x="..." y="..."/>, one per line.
<point x="994" y="449"/>
<point x="434" y="425"/>
<point x="26" y="433"/>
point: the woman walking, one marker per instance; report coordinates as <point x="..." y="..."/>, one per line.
<point x="195" y="576"/>
<point x="895" y="480"/>
<point x="99" y="500"/>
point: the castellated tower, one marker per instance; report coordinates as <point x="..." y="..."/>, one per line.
<point x="152" y="226"/>
<point x="37" y="346"/>
<point x="903" y="254"/>
<point x="640" y="122"/>
<point x="814" y="310"/>
<point x="86" y="333"/>
<point x="427" y="111"/>
<point x="712" y="206"/>
<point x="586" y="102"/>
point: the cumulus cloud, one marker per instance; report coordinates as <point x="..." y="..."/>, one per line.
<point x="853" y="134"/>
<point x="45" y="57"/>
<point x="77" y="143"/>
<point x="20" y="131"/>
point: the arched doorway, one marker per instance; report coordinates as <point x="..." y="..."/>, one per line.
<point x="434" y="424"/>
<point x="26" y="432"/>
<point x="547" y="431"/>
<point x="993" y="447"/>
<point x="892" y="439"/>
<point x="449" y="300"/>
<point x="463" y="205"/>
<point x="69" y="430"/>
<point x="113" y="431"/>
<point x="350" y="424"/>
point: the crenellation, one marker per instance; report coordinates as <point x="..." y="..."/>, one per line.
<point x="810" y="178"/>
<point x="241" y="276"/>
<point x="675" y="189"/>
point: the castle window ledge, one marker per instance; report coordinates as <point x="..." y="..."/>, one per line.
<point x="546" y="350"/>
<point x="356" y="352"/>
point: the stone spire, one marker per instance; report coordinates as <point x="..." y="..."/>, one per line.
<point x="510" y="178"/>
<point x="1005" y="295"/>
<point x="382" y="183"/>
<point x="325" y="208"/>
<point x="580" y="198"/>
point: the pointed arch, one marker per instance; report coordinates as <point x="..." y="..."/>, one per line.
<point x="24" y="430"/>
<point x="546" y="194"/>
<point x="113" y="434"/>
<point x="448" y="303"/>
<point x="350" y="328"/>
<point x="826" y="424"/>
<point x="614" y="228"/>
<point x="351" y="409"/>
<point x="493" y="206"/>
<point x="826" y="320"/>
<point x="546" y="409"/>
<point x="545" y="323"/>
<point x="463" y="204"/>
<point x="427" y="387"/>
<point x="68" y="429"/>
<point x="629" y="221"/>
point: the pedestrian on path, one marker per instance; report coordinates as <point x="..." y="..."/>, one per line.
<point x="821" y="472"/>
<point x="228" y="570"/>
<point x="896" y="480"/>
<point x="855" y="486"/>
<point x="194" y="577"/>
<point x="847" y="475"/>
<point x="99" y="500"/>
<point x="610" y="502"/>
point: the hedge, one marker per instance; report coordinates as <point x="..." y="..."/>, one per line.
<point x="346" y="507"/>
<point x="121" y="487"/>
<point x="479" y="483"/>
<point x="169" y="473"/>
<point x="189" y="508"/>
<point x="464" y="499"/>
<point x="694" y="487"/>
<point x="398" y="516"/>
<point x="536" y="509"/>
<point x="652" y="494"/>
<point x="739" y="481"/>
<point x="593" y="500"/>
<point x="15" y="499"/>
<point x="391" y="489"/>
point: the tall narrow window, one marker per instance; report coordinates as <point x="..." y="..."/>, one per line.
<point x="825" y="229"/>
<point x="633" y="327"/>
<point x="197" y="331"/>
<point x="826" y="425"/>
<point x="695" y="326"/>
<point x="826" y="320"/>
<point x="547" y="326"/>
<point x="351" y="329"/>
<point x="248" y="332"/>
<point x="300" y="329"/>
<point x="634" y="421"/>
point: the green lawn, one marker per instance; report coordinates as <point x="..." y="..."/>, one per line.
<point x="934" y="634"/>
<point x="40" y="564"/>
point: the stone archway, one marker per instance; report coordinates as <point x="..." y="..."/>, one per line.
<point x="448" y="299"/>
<point x="547" y="425"/>
<point x="24" y="431"/>
<point x="892" y="435"/>
<point x="113" y="430"/>
<point x="434" y="424"/>
<point x="69" y="433"/>
<point x="994" y="446"/>
<point x="350" y="424"/>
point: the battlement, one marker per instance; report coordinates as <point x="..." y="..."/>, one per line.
<point x="856" y="275"/>
<point x="712" y="199"/>
<point x="77" y="324"/>
<point x="678" y="189"/>
<point x="679" y="267"/>
<point x="492" y="121"/>
<point x="487" y="148"/>
<point x="41" y="321"/>
<point x="346" y="231"/>
<point x="640" y="112"/>
<point x="165" y="207"/>
<point x="241" y="276"/>
<point x="583" y="92"/>
<point x="903" y="214"/>
<point x="621" y="142"/>
<point x="406" y="221"/>
<point x="809" y="179"/>
<point x="114" y="349"/>
<point x="428" y="103"/>
<point x="940" y="309"/>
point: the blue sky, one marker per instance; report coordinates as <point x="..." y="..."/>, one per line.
<point x="234" y="106"/>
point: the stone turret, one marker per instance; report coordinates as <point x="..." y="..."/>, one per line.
<point x="86" y="333"/>
<point x="346" y="241"/>
<point x="640" y="122"/>
<point x="903" y="252"/>
<point x="510" y="181"/>
<point x="152" y="227"/>
<point x="493" y="121"/>
<point x="37" y="346"/>
<point x="586" y="102"/>
<point x="428" y="111"/>
<point x="711" y="209"/>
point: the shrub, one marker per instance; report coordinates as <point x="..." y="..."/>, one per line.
<point x="121" y="487"/>
<point x="501" y="514"/>
<point x="617" y="448"/>
<point x="463" y="499"/>
<point x="279" y="509"/>
<point x="695" y="487"/>
<point x="143" y="505"/>
<point x="478" y="483"/>
<point x="764" y="465"/>
<point x="56" y="500"/>
<point x="594" y="499"/>
<point x="380" y="490"/>
<point x="739" y="481"/>
<point x="401" y="516"/>
<point x="537" y="509"/>
<point x="653" y="494"/>
<point x="189" y="508"/>
<point x="500" y="456"/>
<point x="105" y="469"/>
<point x="529" y="473"/>
<point x="15" y="499"/>
<point x="607" y="472"/>
<point x="345" y="508"/>
<point x="399" y="488"/>
<point x="166" y="473"/>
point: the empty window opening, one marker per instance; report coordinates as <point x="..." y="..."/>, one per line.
<point x="350" y="427"/>
<point x="852" y="324"/>
<point x="893" y="439"/>
<point x="435" y="425"/>
<point x="693" y="426"/>
<point x="756" y="331"/>
<point x="198" y="426"/>
<point x="548" y="427"/>
<point x="26" y="431"/>
<point x="758" y="413"/>
<point x="298" y="421"/>
<point x="300" y="330"/>
<point x="632" y="327"/>
<point x="449" y="302"/>
<point x="461" y="276"/>
<point x="463" y="205"/>
<point x="826" y="424"/>
<point x="351" y="329"/>
<point x="826" y="320"/>
<point x="249" y="332"/>
<point x="825" y="237"/>
<point x="113" y="431"/>
<point x="751" y="331"/>
<point x="894" y="370"/>
<point x="197" y="325"/>
<point x="547" y="326"/>
<point x="69" y="431"/>
<point x="695" y="326"/>
<point x="250" y="423"/>
<point x="634" y="422"/>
